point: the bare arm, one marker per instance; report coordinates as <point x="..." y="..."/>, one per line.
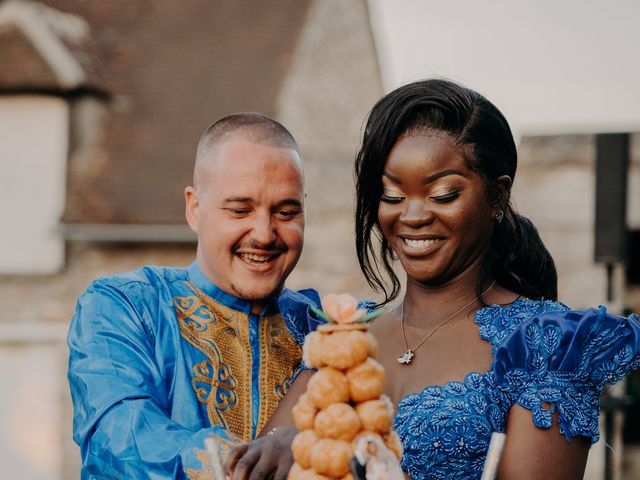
<point x="282" y="416"/>
<point x="534" y="453"/>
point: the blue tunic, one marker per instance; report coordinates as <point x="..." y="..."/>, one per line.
<point x="543" y="352"/>
<point x="160" y="359"/>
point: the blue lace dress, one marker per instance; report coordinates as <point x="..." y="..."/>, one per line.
<point x="543" y="352"/>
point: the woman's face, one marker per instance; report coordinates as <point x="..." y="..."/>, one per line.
<point x="434" y="210"/>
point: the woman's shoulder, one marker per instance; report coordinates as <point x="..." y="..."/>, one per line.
<point x="498" y="321"/>
<point x="565" y="358"/>
<point x="593" y="344"/>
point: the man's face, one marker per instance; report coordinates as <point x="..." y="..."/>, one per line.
<point x="248" y="212"/>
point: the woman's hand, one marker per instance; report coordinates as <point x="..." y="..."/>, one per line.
<point x="265" y="458"/>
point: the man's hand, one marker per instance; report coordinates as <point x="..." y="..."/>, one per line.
<point x="265" y="458"/>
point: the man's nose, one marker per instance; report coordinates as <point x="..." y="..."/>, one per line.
<point x="263" y="232"/>
<point x="416" y="213"/>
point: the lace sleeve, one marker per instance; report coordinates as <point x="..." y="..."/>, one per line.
<point x="565" y="359"/>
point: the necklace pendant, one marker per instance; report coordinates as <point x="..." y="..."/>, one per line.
<point x="406" y="357"/>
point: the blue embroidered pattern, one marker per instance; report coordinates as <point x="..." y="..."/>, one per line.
<point x="569" y="379"/>
<point x="445" y="430"/>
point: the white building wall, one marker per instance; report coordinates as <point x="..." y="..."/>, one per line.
<point x="33" y="158"/>
<point x="551" y="67"/>
<point x="32" y="370"/>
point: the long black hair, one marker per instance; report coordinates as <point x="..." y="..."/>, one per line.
<point x="517" y="258"/>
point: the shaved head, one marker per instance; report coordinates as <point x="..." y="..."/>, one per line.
<point x="247" y="206"/>
<point x="248" y="126"/>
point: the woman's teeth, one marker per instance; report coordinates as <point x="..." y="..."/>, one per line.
<point x="419" y="243"/>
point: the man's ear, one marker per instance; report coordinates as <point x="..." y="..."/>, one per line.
<point x="191" y="208"/>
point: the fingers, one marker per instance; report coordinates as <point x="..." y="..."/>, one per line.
<point x="231" y="458"/>
<point x="283" y="467"/>
<point x="263" y="470"/>
<point x="275" y="461"/>
<point x="263" y="458"/>
<point x="245" y="465"/>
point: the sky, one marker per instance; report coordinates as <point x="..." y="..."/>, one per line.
<point x="552" y="67"/>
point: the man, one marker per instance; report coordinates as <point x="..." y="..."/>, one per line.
<point x="163" y="358"/>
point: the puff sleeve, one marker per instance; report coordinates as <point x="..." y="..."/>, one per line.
<point x="565" y="359"/>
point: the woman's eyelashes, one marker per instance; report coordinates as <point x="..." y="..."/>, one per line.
<point x="446" y="197"/>
<point x="393" y="197"/>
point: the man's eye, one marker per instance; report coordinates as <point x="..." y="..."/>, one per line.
<point x="239" y="212"/>
<point x="287" y="214"/>
<point x="449" y="197"/>
<point x="391" y="198"/>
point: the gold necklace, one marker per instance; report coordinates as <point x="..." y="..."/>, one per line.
<point x="409" y="353"/>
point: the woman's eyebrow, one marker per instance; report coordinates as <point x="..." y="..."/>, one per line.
<point x="443" y="173"/>
<point x="430" y="178"/>
<point x="392" y="178"/>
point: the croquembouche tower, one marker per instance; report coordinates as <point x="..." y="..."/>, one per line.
<point x="344" y="397"/>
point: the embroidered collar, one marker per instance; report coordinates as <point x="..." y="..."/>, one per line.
<point x="200" y="280"/>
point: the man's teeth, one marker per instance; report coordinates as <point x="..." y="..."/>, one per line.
<point x="419" y="243"/>
<point x="255" y="258"/>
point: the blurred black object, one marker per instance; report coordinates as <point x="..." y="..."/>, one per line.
<point x="633" y="261"/>
<point x="612" y="162"/>
<point x="358" y="470"/>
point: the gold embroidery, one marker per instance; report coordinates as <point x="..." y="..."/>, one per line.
<point x="206" y="381"/>
<point x="280" y="357"/>
<point x="206" y="473"/>
<point x="223" y="382"/>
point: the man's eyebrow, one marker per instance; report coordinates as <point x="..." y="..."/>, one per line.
<point x="291" y="202"/>
<point x="287" y="201"/>
<point x="237" y="200"/>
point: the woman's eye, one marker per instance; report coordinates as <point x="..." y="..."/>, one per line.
<point x="391" y="198"/>
<point x="448" y="197"/>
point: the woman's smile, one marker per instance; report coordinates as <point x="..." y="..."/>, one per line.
<point x="433" y="211"/>
<point x="419" y="247"/>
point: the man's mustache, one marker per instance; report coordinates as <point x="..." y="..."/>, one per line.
<point x="272" y="248"/>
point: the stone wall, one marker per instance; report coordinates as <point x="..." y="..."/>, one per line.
<point x="34" y="318"/>
<point x="333" y="83"/>
<point x="555" y="187"/>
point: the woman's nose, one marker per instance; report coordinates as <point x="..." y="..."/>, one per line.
<point x="416" y="214"/>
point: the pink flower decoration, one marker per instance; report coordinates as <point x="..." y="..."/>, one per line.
<point x="342" y="308"/>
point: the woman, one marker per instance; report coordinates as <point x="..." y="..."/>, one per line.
<point x="478" y="344"/>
